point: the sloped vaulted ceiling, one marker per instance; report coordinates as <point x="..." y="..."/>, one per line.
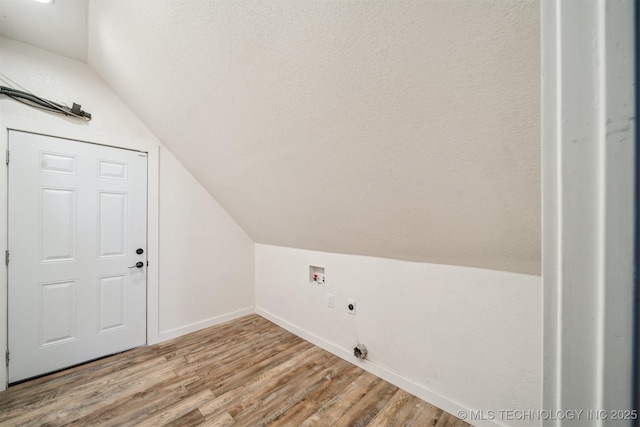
<point x="404" y="129"/>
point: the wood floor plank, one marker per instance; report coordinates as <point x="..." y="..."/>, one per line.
<point x="190" y="419"/>
<point x="396" y="410"/>
<point x="220" y="342"/>
<point x="82" y="400"/>
<point x="217" y="332"/>
<point x="333" y="410"/>
<point x="228" y="370"/>
<point x="424" y="414"/>
<point x="86" y="372"/>
<point x="250" y="389"/>
<point x="237" y="353"/>
<point x="247" y="372"/>
<point x="286" y="393"/>
<point x="310" y="403"/>
<point x="43" y="402"/>
<point x="234" y="348"/>
<point x="174" y="412"/>
<point x="221" y="419"/>
<point x="130" y="409"/>
<point x="361" y="412"/>
<point x="229" y="378"/>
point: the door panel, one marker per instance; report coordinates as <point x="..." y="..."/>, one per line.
<point x="112" y="302"/>
<point x="77" y="214"/>
<point x="58" y="312"/>
<point x="112" y="223"/>
<point x="58" y="224"/>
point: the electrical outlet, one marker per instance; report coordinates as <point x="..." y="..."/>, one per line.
<point x="330" y="300"/>
<point x="351" y="306"/>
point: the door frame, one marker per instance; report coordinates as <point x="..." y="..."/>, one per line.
<point x="153" y="185"/>
<point x="588" y="158"/>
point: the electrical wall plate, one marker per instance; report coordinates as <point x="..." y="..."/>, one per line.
<point x="330" y="300"/>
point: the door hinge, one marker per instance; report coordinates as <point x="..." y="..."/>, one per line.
<point x="6" y="257"/>
<point x="7" y="157"/>
<point x="7" y="357"/>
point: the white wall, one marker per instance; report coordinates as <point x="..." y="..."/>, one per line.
<point x="458" y="337"/>
<point x="205" y="260"/>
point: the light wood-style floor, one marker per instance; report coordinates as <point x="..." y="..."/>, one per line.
<point x="247" y="372"/>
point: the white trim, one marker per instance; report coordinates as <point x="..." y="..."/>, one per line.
<point x="4" y="312"/>
<point x="153" y="244"/>
<point x="193" y="327"/>
<point x="588" y="191"/>
<point x="601" y="94"/>
<point x="618" y="137"/>
<point x="394" y="378"/>
<point x="153" y="186"/>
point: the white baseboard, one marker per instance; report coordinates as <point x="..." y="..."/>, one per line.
<point x="193" y="327"/>
<point x="406" y="384"/>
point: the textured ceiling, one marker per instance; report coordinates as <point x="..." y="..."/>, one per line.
<point x="406" y="129"/>
<point x="60" y="27"/>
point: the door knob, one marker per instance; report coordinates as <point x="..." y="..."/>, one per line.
<point x="139" y="264"/>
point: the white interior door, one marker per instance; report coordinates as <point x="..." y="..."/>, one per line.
<point x="77" y="223"/>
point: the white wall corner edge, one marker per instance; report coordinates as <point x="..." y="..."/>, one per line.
<point x="196" y="326"/>
<point x="406" y="384"/>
